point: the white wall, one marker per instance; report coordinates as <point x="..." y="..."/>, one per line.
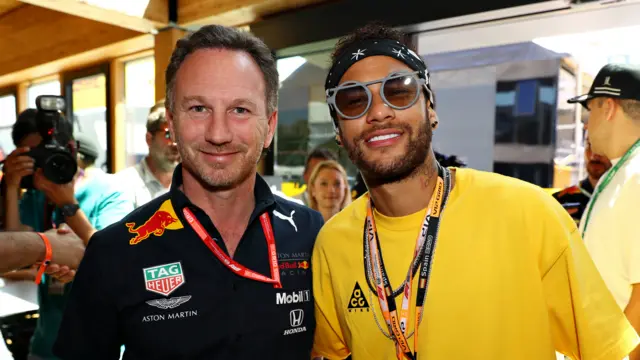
<point x="580" y="18"/>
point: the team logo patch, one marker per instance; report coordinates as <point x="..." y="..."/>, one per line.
<point x="293" y="264"/>
<point x="170" y="303"/>
<point x="164" y="279"/>
<point x="358" y="302"/>
<point x="296" y="318"/>
<point x="164" y="218"/>
<point x="289" y="265"/>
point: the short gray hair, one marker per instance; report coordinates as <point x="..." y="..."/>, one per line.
<point x="222" y="37"/>
<point x="156" y="117"/>
<point x="631" y="108"/>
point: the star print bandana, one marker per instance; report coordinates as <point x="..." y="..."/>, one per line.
<point x="374" y="47"/>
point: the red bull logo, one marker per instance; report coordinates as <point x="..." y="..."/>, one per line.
<point x="289" y="265"/>
<point x="164" y="218"/>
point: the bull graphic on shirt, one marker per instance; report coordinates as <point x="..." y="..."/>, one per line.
<point x="163" y="219"/>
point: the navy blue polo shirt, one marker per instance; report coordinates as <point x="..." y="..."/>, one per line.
<point x="150" y="283"/>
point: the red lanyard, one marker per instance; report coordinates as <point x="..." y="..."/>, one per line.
<point x="234" y="266"/>
<point x="425" y="243"/>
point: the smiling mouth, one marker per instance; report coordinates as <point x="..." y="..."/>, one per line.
<point x="383" y="137"/>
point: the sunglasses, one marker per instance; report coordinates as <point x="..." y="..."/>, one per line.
<point x="352" y="99"/>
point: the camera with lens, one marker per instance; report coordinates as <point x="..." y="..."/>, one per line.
<point x="52" y="155"/>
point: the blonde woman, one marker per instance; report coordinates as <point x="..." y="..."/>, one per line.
<point x="328" y="189"/>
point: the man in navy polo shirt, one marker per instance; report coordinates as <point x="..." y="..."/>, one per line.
<point x="218" y="268"/>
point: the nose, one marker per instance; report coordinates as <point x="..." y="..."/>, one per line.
<point x="379" y="110"/>
<point x="218" y="130"/>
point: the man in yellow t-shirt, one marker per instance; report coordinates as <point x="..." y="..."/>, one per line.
<point x="509" y="277"/>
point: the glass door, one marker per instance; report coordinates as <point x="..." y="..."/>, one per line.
<point x="87" y="96"/>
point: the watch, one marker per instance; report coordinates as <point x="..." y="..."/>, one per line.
<point x="69" y="209"/>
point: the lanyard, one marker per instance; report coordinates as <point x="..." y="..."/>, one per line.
<point x="425" y="245"/>
<point x="234" y="266"/>
<point x="607" y="179"/>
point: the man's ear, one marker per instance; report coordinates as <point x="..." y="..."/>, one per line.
<point x="171" y="122"/>
<point x="610" y="107"/>
<point x="433" y="119"/>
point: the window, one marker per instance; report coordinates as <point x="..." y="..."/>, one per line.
<point x="304" y="122"/>
<point x="43" y="88"/>
<point x="89" y="100"/>
<point x="139" y="78"/>
<point x="525" y="129"/>
<point x="7" y="119"/>
<point x="525" y="111"/>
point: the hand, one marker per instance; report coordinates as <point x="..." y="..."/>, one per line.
<point x="59" y="194"/>
<point x="61" y="273"/>
<point x="67" y="249"/>
<point x="16" y="166"/>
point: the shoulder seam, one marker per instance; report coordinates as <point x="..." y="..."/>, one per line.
<point x="558" y="257"/>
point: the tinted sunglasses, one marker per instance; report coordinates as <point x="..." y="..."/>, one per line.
<point x="352" y="99"/>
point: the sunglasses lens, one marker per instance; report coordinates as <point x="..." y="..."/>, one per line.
<point x="352" y="101"/>
<point x="402" y="91"/>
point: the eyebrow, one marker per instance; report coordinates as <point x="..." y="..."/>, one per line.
<point x="244" y="101"/>
<point x="202" y="99"/>
<point x="198" y="98"/>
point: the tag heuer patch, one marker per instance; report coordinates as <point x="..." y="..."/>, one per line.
<point x="163" y="279"/>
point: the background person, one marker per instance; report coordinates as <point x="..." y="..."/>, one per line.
<point x="87" y="204"/>
<point x="574" y="199"/>
<point x="315" y="157"/>
<point x="151" y="177"/>
<point x="328" y="189"/>
<point x="609" y="224"/>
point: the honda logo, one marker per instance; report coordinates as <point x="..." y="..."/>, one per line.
<point x="296" y="316"/>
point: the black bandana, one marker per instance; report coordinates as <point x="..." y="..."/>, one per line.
<point x="373" y="47"/>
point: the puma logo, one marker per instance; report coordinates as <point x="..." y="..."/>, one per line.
<point x="286" y="218"/>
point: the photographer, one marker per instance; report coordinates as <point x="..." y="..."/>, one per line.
<point x="87" y="203"/>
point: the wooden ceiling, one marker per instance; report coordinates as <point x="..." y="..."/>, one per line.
<point x="80" y="27"/>
<point x="190" y="12"/>
<point x="8" y="5"/>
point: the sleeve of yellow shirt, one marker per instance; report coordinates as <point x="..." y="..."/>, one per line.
<point x="328" y="341"/>
<point x="586" y="323"/>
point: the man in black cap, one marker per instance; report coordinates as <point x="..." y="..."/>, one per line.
<point x="609" y="223"/>
<point x="574" y="199"/>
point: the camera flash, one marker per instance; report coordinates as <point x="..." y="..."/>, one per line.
<point x="50" y="103"/>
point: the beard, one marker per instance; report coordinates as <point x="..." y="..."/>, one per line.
<point x="214" y="176"/>
<point x="401" y="166"/>
<point x="163" y="158"/>
<point x="596" y="169"/>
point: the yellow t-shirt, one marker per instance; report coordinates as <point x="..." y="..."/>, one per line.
<point x="511" y="279"/>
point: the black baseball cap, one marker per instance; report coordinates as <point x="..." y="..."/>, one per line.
<point x="620" y="81"/>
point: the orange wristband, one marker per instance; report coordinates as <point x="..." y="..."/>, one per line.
<point x="47" y="258"/>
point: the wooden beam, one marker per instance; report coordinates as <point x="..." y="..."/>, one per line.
<point x="75" y="61"/>
<point x="96" y="13"/>
<point x="165" y="42"/>
<point x="118" y="115"/>
<point x="8" y="5"/>
<point x="21" y="95"/>
<point x="158" y="11"/>
<point x="233" y="12"/>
